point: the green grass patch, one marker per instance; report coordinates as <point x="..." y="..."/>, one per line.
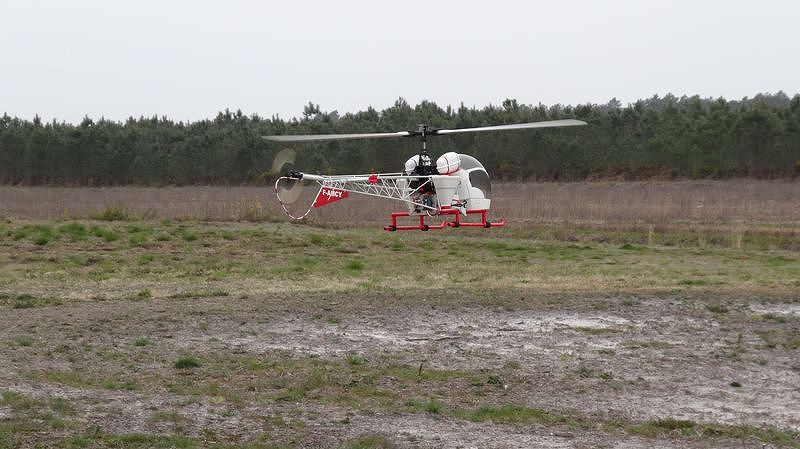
<point x="74" y="231"/>
<point x="39" y="234"/>
<point x="779" y="261"/>
<point x="22" y="341"/>
<point x="654" y="428"/>
<point x="774" y="317"/>
<point x="71" y="378"/>
<point x="783" y="338"/>
<point x="187" y="362"/>
<point x="433" y="406"/>
<point x="329" y="241"/>
<point x="189" y="235"/>
<point x="159" y="416"/>
<point x="42" y="239"/>
<point x="354" y="359"/>
<point x="354" y="265"/>
<point x="134" y="441"/>
<point x="694" y="282"/>
<point x="26" y="301"/>
<point x="138" y="239"/>
<point x="717" y="308"/>
<point x="370" y="441"/>
<point x="107" y="235"/>
<point x="510" y="414"/>
<point x="200" y="294"/>
<point x="227" y="235"/>
<point x="18" y="401"/>
<point x="744" y="433"/>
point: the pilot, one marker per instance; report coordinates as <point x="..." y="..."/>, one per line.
<point x="425" y="189"/>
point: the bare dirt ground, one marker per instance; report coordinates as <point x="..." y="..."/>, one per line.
<point x="606" y="371"/>
<point x="162" y="334"/>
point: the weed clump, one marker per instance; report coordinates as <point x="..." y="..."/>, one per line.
<point x="23" y="341"/>
<point x="495" y="380"/>
<point x="107" y="235"/>
<point x="42" y="239"/>
<point x="370" y="441"/>
<point x="26" y="301"/>
<point x="434" y="407"/>
<point x="187" y="362"/>
<point x="189" y="235"/>
<point x="510" y="414"/>
<point x="717" y="308"/>
<point x="40" y="234"/>
<point x="354" y="360"/>
<point x="653" y="428"/>
<point x="75" y="231"/>
<point x="113" y="213"/>
<point x="354" y="265"/>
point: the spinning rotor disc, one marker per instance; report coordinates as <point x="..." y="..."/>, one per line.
<point x="293" y="194"/>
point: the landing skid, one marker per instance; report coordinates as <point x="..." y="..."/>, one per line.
<point x="455" y="223"/>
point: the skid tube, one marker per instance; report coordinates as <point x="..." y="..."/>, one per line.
<point x="456" y="223"/>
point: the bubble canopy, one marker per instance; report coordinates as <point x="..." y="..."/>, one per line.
<point x="478" y="176"/>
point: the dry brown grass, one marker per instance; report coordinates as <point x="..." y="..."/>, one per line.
<point x="655" y="202"/>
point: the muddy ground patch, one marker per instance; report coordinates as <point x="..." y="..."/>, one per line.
<point x="321" y="370"/>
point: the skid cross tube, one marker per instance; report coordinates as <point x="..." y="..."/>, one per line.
<point x="421" y="227"/>
<point x="484" y="223"/>
<point x="456" y="223"/>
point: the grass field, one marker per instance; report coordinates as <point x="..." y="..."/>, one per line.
<point x="122" y="332"/>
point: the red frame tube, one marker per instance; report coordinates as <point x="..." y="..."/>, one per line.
<point x="456" y="223"/>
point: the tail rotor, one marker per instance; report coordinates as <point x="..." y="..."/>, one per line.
<point x="293" y="193"/>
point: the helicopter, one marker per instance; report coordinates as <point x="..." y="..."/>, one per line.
<point x="454" y="188"/>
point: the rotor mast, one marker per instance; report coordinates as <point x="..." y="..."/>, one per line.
<point x="425" y="166"/>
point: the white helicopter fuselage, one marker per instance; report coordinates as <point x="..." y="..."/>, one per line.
<point x="458" y="184"/>
<point x="453" y="185"/>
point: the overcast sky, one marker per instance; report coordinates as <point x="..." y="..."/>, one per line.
<point x="190" y="59"/>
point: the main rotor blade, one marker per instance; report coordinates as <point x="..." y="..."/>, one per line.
<point x="433" y="132"/>
<point x="548" y="124"/>
<point x="310" y="137"/>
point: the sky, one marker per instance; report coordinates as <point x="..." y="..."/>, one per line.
<point x="188" y="60"/>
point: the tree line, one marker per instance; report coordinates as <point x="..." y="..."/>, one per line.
<point x="663" y="137"/>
